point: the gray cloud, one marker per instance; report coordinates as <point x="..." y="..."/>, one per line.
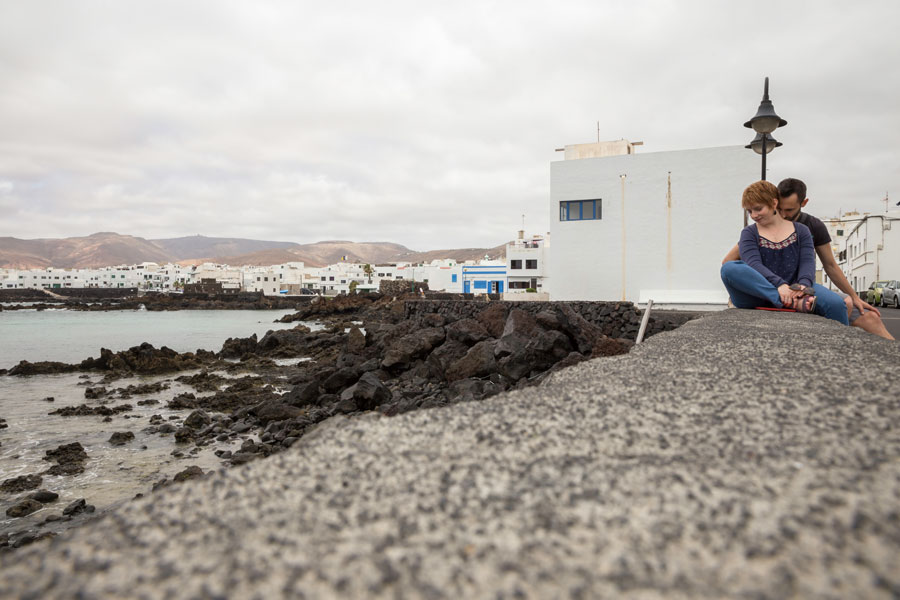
<point x="428" y="124"/>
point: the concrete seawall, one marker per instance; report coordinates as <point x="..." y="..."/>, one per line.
<point x="745" y="454"/>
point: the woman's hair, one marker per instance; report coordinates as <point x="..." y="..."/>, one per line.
<point x="761" y="192"/>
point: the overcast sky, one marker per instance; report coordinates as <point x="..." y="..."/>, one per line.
<point x="430" y="124"/>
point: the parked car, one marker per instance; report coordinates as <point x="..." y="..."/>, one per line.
<point x="890" y="294"/>
<point x="873" y="294"/>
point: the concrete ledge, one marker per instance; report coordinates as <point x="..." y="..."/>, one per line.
<point x="746" y="454"/>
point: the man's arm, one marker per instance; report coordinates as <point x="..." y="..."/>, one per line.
<point x="733" y="254"/>
<point x="831" y="268"/>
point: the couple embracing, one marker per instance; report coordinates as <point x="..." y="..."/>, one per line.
<point x="773" y="265"/>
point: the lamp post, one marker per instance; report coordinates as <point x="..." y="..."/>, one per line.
<point x="764" y="123"/>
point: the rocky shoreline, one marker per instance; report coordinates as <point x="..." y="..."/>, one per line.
<point x="376" y="353"/>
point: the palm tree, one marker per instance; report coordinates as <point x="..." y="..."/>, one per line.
<point x="367" y="269"/>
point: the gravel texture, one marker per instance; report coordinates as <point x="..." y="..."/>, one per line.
<point x="747" y="454"/>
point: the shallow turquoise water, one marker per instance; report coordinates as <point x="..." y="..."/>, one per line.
<point x="113" y="473"/>
<point x="71" y="336"/>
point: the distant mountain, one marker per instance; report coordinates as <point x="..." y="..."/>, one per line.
<point x="97" y="250"/>
<point x="197" y="246"/>
<point x="108" y="249"/>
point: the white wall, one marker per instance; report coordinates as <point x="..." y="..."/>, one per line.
<point x="667" y="249"/>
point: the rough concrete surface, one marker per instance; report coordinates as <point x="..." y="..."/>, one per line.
<point x="747" y="454"/>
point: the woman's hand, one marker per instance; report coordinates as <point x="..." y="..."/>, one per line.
<point x="787" y="295"/>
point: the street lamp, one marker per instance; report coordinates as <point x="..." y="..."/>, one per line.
<point x="764" y="123"/>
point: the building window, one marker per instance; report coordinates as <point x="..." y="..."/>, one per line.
<point x="515" y="264"/>
<point x="453" y="278"/>
<point x="480" y="285"/>
<point x="331" y="278"/>
<point x="840" y="232"/>
<point x="580" y="210"/>
<point x="531" y="264"/>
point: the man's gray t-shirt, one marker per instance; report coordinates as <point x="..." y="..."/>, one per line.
<point x="816" y="227"/>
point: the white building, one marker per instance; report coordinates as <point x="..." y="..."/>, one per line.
<point x="440" y="275"/>
<point x="526" y="266"/>
<point x="274" y="279"/>
<point x="870" y="248"/>
<point x="487" y="277"/>
<point x="647" y="226"/>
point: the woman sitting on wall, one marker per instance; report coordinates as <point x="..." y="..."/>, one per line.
<point x="778" y="262"/>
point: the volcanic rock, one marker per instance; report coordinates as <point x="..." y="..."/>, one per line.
<point x="121" y="438"/>
<point x="77" y="507"/>
<point x="21" y="483"/>
<point x="44" y="496"/>
<point x="411" y="346"/>
<point x="356" y="341"/>
<point x="25" y="507"/>
<point x="493" y="318"/>
<point x="25" y="368"/>
<point x="95" y="392"/>
<point x="276" y="410"/>
<point x="478" y="361"/>
<point x="83" y="410"/>
<point x="70" y="459"/>
<point x="197" y="419"/>
<point x="192" y="472"/>
<point x="303" y="394"/>
<point x="467" y="331"/>
<point x="340" y="379"/>
<point x="367" y="393"/>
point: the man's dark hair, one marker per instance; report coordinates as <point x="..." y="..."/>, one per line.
<point x="792" y="186"/>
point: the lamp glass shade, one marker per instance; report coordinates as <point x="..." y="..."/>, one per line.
<point x="766" y="124"/>
<point x="756" y="144"/>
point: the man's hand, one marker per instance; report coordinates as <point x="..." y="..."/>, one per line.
<point x="862" y="306"/>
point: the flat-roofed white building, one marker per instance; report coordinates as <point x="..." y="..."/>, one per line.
<point x="870" y="249"/>
<point x="647" y="226"/>
<point x="526" y="265"/>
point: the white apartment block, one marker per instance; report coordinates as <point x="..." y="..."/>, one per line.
<point x="646" y="226"/>
<point x="526" y="265"/>
<point x="275" y="279"/>
<point x="869" y="249"/>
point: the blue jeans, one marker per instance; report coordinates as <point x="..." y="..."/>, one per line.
<point x="749" y="289"/>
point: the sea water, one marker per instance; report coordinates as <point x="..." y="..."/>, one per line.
<point x="71" y="336"/>
<point x="113" y="474"/>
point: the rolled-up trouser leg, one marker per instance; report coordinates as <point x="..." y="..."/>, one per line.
<point x="830" y="305"/>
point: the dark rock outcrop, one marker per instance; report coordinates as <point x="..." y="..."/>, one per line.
<point x="69" y="458"/>
<point x="120" y="438"/>
<point x="23" y="508"/>
<point x="21" y="483"/>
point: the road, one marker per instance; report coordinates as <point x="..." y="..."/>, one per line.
<point x="891" y="318"/>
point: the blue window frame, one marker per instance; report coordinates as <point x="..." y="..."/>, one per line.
<point x="581" y="210"/>
<point x="453" y="278"/>
<point x="480" y="285"/>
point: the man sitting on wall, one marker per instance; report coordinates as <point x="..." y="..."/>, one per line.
<point x="861" y="314"/>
